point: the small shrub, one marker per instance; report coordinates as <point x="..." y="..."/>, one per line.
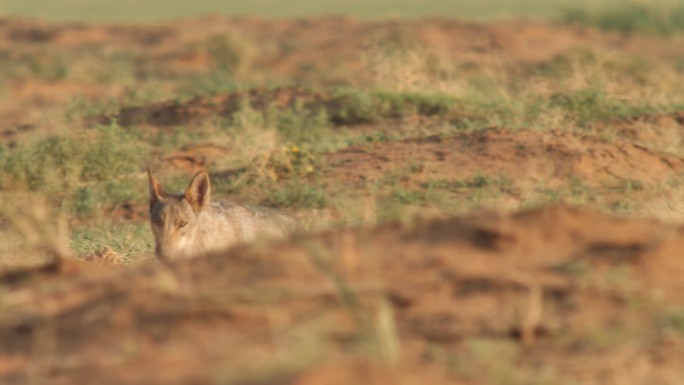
<point x="364" y="107"/>
<point x="354" y="107"/>
<point x="228" y="53"/>
<point x="300" y="124"/>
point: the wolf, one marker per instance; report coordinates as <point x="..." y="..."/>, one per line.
<point x="191" y="224"/>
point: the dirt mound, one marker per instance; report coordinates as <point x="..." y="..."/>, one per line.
<point x="552" y="157"/>
<point x="449" y="300"/>
<point x="521" y="155"/>
<point x="199" y="109"/>
<point x="341" y="107"/>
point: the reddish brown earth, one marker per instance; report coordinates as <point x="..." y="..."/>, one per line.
<point x="540" y="156"/>
<point x="536" y="280"/>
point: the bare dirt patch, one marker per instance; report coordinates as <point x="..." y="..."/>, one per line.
<point x="530" y="155"/>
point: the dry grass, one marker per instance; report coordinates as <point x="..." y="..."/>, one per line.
<point x="33" y="231"/>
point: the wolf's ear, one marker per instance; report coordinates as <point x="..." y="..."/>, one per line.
<point x="198" y="191"/>
<point x="155" y="189"/>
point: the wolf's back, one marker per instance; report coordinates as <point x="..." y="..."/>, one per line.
<point x="252" y="222"/>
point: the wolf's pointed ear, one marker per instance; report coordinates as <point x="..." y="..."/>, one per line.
<point x="198" y="191"/>
<point x="155" y="189"/>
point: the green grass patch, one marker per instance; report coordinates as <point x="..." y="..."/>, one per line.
<point x="653" y="18"/>
<point x="132" y="241"/>
<point x="593" y="104"/>
<point x="83" y="171"/>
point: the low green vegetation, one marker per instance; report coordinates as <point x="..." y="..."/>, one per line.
<point x="84" y="171"/>
<point x="123" y="243"/>
<point x="655" y="18"/>
<point x="354" y="106"/>
<point x="297" y="195"/>
<point x="278" y="152"/>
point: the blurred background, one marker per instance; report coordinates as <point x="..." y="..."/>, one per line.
<point x="164" y="9"/>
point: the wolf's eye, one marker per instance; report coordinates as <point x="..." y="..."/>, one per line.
<point x="183" y="224"/>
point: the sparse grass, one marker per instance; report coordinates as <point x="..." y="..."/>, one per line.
<point x="32" y="232"/>
<point x="587" y="106"/>
<point x="90" y="171"/>
<point x="132" y="241"/>
<point x="206" y="84"/>
<point x="496" y="360"/>
<point x="410" y="197"/>
<point x="398" y="63"/>
<point x="83" y="66"/>
<point x="621" y="206"/>
<point x="659" y="17"/>
<point x="358" y="106"/>
<point x="479" y="180"/>
<point x="297" y="195"/>
<point x="230" y="56"/>
<point x="82" y="172"/>
<point x="277" y="149"/>
<point x="300" y="125"/>
<point x="672" y="320"/>
<point x="80" y="107"/>
<point x="306" y="123"/>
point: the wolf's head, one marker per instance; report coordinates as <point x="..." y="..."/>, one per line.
<point x="174" y="218"/>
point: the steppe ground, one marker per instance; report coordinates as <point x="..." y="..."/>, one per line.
<point x="495" y="201"/>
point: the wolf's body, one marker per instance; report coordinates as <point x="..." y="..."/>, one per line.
<point x="191" y="224"/>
